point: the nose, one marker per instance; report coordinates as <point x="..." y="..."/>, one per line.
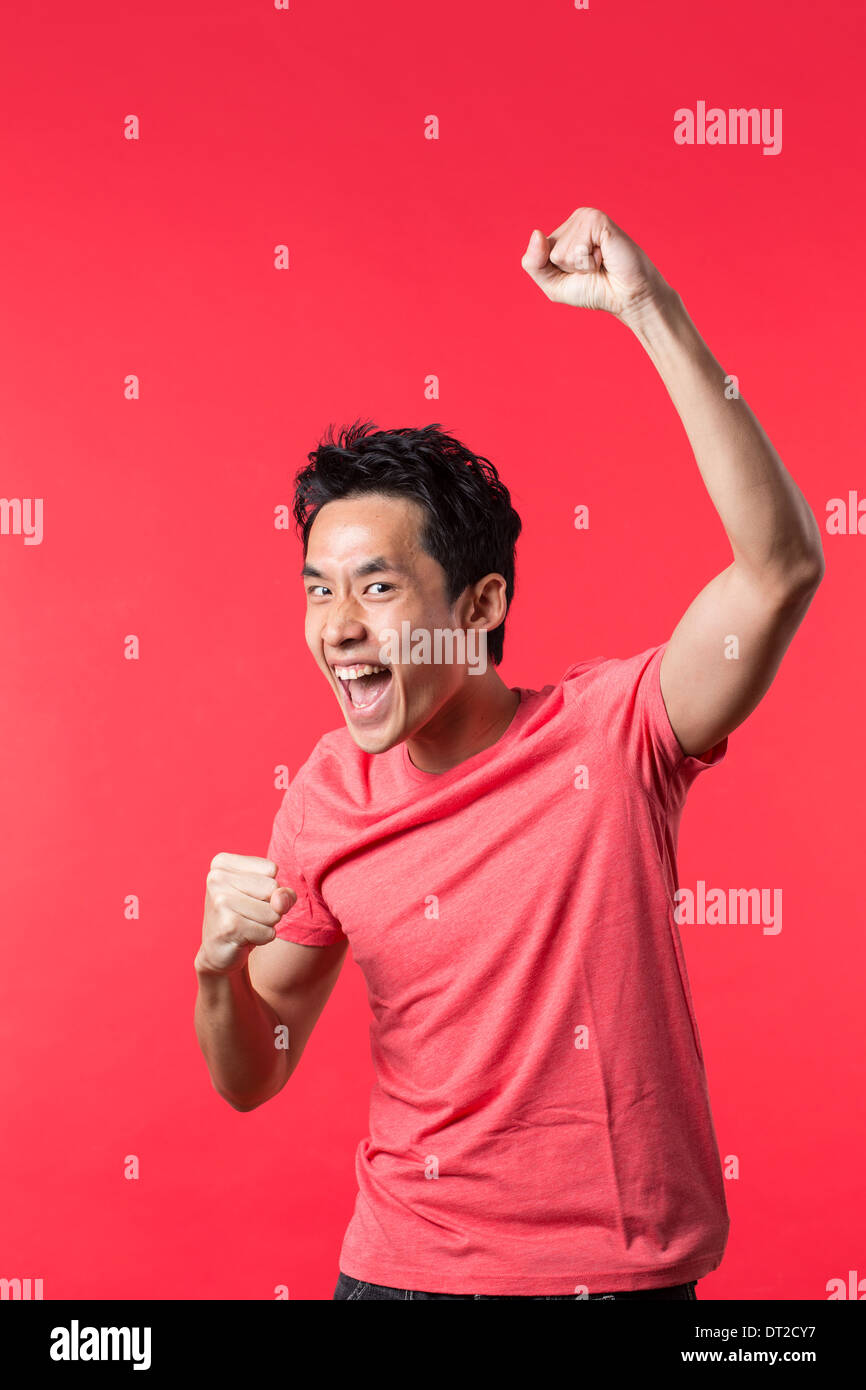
<point x="343" y="623"/>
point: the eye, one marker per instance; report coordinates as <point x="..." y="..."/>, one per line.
<point x="311" y="588"/>
<point x="380" y="584"/>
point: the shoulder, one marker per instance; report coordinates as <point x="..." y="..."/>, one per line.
<point x="337" y="750"/>
<point x="614" y="677"/>
<point x="335" y="763"/>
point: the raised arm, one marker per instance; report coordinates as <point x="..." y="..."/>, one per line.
<point x="725" y="651"/>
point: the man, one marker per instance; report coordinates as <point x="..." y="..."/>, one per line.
<point x="503" y="861"/>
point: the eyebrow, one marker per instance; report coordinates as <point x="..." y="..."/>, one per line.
<point x="377" y="565"/>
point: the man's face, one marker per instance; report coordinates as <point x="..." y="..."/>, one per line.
<point x="366" y="573"/>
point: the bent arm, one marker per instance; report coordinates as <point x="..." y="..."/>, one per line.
<point x="237" y="1016"/>
<point x="770" y="525"/>
<point x="724" y="653"/>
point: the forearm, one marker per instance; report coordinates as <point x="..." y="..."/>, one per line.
<point x="771" y="528"/>
<point x="236" y="1032"/>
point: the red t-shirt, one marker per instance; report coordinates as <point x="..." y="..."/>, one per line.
<point x="540" y="1120"/>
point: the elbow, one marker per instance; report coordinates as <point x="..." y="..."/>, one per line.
<point x="813" y="565"/>
<point x="252" y="1100"/>
<point x="799" y="580"/>
<point x="808" y="575"/>
<point x="239" y="1103"/>
<point x="242" y="1106"/>
<point x="789" y="580"/>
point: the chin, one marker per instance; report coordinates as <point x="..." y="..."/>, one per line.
<point x="370" y="741"/>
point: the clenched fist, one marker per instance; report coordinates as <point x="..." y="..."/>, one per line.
<point x="590" y="263"/>
<point x="242" y="907"/>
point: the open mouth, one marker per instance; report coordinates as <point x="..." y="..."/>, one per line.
<point x="363" y="692"/>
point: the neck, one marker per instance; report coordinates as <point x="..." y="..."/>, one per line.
<point x="473" y="719"/>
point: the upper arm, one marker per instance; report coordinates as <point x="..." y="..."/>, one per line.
<point x="296" y="981"/>
<point x="724" y="653"/>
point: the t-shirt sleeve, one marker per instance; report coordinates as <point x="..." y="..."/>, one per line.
<point x="308" y="921"/>
<point x="627" y="696"/>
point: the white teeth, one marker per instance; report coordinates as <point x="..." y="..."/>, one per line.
<point x="351" y="673"/>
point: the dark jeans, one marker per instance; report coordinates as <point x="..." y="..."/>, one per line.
<point x="348" y="1288"/>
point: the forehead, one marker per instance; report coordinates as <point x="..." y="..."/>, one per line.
<point x="354" y="528"/>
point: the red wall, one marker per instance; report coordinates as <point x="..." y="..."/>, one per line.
<point x="155" y="257"/>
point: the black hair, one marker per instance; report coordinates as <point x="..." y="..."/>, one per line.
<point x="471" y="528"/>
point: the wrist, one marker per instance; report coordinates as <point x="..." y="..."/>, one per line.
<point x="206" y="971"/>
<point x="650" y="313"/>
<point x="668" y="336"/>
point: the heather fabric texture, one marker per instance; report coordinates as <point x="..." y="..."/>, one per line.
<point x="539" y="1120"/>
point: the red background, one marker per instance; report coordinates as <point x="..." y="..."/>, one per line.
<point x="155" y="257"/>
